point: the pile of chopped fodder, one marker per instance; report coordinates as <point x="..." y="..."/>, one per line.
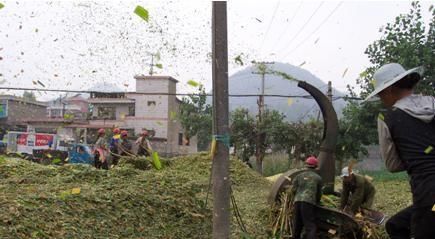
<point x="137" y="162"/>
<point x="78" y="201"/>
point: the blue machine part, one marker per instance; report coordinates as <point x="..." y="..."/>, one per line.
<point x="80" y="153"/>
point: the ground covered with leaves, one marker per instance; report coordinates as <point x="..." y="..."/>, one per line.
<point x="78" y="201"/>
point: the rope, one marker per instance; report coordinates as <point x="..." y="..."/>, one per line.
<point x="237" y="214"/>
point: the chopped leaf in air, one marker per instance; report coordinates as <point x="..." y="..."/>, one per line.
<point x="142" y="12"/>
<point x="40" y="83"/>
<point x="193" y="83"/>
<point x="344" y="73"/>
<point x="238" y="60"/>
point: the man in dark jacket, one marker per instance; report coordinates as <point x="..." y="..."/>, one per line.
<point x="358" y="192"/>
<point x="407" y="142"/>
<point x="307" y="190"/>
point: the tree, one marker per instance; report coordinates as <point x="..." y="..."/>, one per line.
<point x="404" y="41"/>
<point x="243" y="133"/>
<point x="29" y="95"/>
<point x="196" y="117"/>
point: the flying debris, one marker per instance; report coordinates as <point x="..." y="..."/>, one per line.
<point x="238" y="60"/>
<point x="142" y="13"/>
<point x="193" y="83"/>
<point x="303" y="63"/>
<point x="315" y="42"/>
<point x="344" y="73"/>
<point x="42" y="84"/>
<point x="258" y="20"/>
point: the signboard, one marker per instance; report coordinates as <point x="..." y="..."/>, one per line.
<point x="3" y="110"/>
<point x="26" y="142"/>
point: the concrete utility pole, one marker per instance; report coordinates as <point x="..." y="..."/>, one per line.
<point x="261" y="137"/>
<point x="220" y="171"/>
<point x="329" y="94"/>
<point x="152" y="64"/>
<point x="262" y="70"/>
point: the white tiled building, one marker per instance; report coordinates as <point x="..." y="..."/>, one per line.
<point x="145" y="109"/>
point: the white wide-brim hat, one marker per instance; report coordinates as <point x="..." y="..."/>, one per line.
<point x="389" y="74"/>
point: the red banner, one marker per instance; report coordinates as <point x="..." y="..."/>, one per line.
<point x="22" y="139"/>
<point x="43" y="140"/>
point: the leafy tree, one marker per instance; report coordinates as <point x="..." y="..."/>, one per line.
<point x="243" y="134"/>
<point x="297" y="139"/>
<point x="196" y="117"/>
<point x="29" y="95"/>
<point x="404" y="41"/>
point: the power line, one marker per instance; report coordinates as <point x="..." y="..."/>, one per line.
<point x="173" y="94"/>
<point x="315" y="30"/>
<point x="268" y="27"/>
<point x="289" y="24"/>
<point x="303" y="26"/>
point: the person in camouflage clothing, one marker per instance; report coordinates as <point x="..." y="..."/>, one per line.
<point x="307" y="190"/>
<point x="358" y="192"/>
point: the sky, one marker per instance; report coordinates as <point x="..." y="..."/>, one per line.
<point x="76" y="45"/>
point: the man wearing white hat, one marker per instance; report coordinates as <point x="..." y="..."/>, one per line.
<point x="407" y="142"/>
<point x="358" y="192"/>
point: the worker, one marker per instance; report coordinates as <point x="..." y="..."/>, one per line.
<point x="114" y="141"/>
<point x="144" y="145"/>
<point x="358" y="192"/>
<point x="125" y="145"/>
<point x="407" y="143"/>
<point x="307" y="190"/>
<point x="100" y="150"/>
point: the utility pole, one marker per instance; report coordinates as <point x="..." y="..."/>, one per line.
<point x="220" y="171"/>
<point x="152" y="64"/>
<point x="261" y="136"/>
<point x="329" y="93"/>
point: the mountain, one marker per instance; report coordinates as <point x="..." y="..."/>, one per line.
<point x="246" y="82"/>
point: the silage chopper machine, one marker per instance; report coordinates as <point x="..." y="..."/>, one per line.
<point x="328" y="220"/>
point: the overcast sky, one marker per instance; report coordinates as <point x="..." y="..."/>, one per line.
<point x="77" y="44"/>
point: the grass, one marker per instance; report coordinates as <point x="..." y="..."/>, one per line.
<point x="384" y="175"/>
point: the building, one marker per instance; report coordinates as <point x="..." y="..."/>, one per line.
<point x="73" y="107"/>
<point x="14" y="109"/>
<point x="153" y="106"/>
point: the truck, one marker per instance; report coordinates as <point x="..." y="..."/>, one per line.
<point x="26" y="142"/>
<point x="75" y="153"/>
<point x="44" y="148"/>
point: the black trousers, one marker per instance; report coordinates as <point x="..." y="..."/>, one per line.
<point x="98" y="163"/>
<point x="305" y="216"/>
<point x="418" y="223"/>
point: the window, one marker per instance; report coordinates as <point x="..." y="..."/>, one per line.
<point x="183" y="140"/>
<point x="131" y="110"/>
<point x="151" y="103"/>
<point x="180" y="138"/>
<point x="55" y="113"/>
<point x="107" y="113"/>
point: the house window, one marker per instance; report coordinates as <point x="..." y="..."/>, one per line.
<point x="151" y="103"/>
<point x="183" y="140"/>
<point x="180" y="138"/>
<point x="107" y="113"/>
<point x="131" y="110"/>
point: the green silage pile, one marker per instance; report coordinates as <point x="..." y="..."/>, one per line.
<point x="78" y="201"/>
